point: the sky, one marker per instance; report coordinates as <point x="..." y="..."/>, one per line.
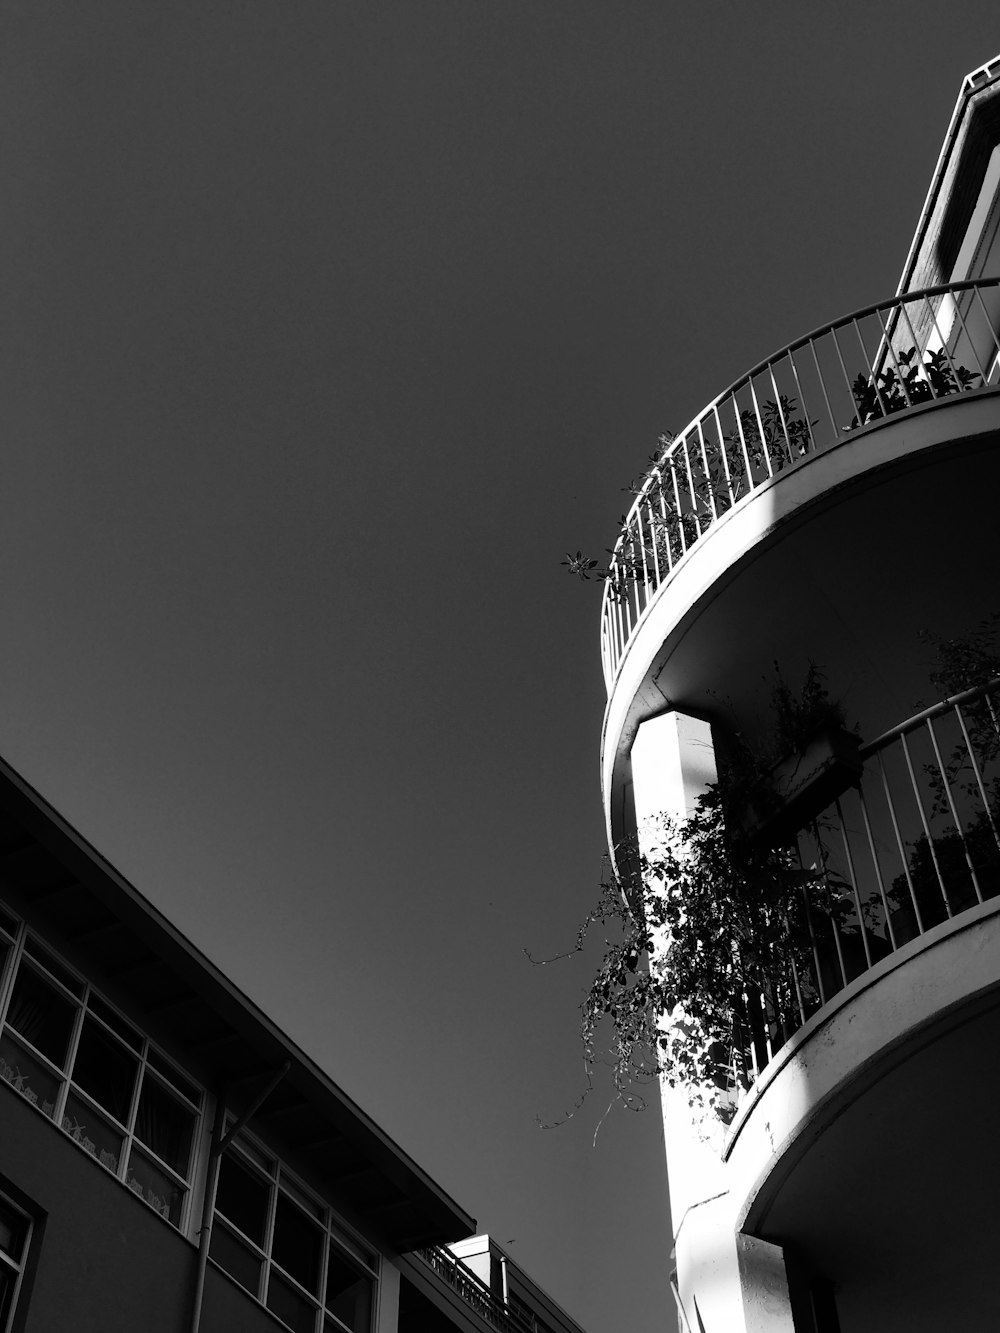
<point x="328" y="329"/>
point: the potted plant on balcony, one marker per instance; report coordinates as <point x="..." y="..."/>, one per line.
<point x="718" y="923"/>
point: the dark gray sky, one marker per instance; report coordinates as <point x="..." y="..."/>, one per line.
<point x="327" y="329"/>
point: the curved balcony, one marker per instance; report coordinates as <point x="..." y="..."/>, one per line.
<point x="903" y="860"/>
<point x="873" y="1047"/>
<point x="885" y="361"/>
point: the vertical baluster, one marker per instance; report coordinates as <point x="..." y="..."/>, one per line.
<point x="872" y="376"/>
<point x="725" y="458"/>
<point x="667" y="547"/>
<point x="913" y="337"/>
<point x="854" y="885"/>
<point x="902" y="848"/>
<point x="708" y="474"/>
<point x="843" y="367"/>
<point x="978" y="775"/>
<point x="743" y="443"/>
<point x="923" y="820"/>
<point x="654" y="542"/>
<point x="781" y="414"/>
<point x="944" y="346"/>
<point x="760" y="427"/>
<point x="822" y="385"/>
<point x="642" y="553"/>
<point x="983" y="374"/>
<point x="814" y="947"/>
<point x="892" y="353"/>
<point x="877" y="867"/>
<point x="802" y="401"/>
<point x="690" y="488"/>
<point x="830" y="893"/>
<point x="677" y="501"/>
<point x="986" y="317"/>
<point x="954" y="813"/>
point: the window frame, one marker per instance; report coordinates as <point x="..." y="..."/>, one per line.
<point x="18" y="1267"/>
<point x="26" y="949"/>
<point x="252" y="1155"/>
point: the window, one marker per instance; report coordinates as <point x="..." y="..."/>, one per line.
<point x="15" y="1237"/>
<point x="76" y="1059"/>
<point x="284" y="1247"/>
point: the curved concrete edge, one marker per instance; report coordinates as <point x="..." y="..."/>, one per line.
<point x="901" y="1004"/>
<point x="757" y="519"/>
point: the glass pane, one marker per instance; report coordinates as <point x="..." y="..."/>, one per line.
<point x="290" y="1305"/>
<point x="54" y="965"/>
<point x="92" y="1132"/>
<point x="105" y="1070"/>
<point x="364" y="1257"/>
<point x="13" y="1229"/>
<point x="258" y="1155"/>
<point x="155" y="1186"/>
<point x="348" y="1293"/>
<point x="173" y="1076"/>
<point x="233" y="1256"/>
<point x="7" y="1281"/>
<point x="165" y="1125"/>
<point x="28" y="1075"/>
<point x="305" y="1201"/>
<point x="41" y="1014"/>
<point x="298" y="1244"/>
<point x="8" y="922"/>
<point x="114" y="1021"/>
<point x="243" y="1198"/>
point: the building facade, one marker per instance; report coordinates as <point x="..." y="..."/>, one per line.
<point x="834" y="507"/>
<point x="170" y="1161"/>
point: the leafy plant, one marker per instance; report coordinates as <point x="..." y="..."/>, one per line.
<point x="907" y="382"/>
<point x="718" y="937"/>
<point x="717" y="931"/>
<point x="686" y="493"/>
<point x="772" y="441"/>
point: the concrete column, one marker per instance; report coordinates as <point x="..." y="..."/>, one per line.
<point x="387" y="1308"/>
<point x="728" y="1282"/>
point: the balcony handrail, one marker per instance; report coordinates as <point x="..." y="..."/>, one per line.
<point x="927" y="715"/>
<point x="885" y="358"/>
<point x="914" y="844"/>
<point x="471" y="1288"/>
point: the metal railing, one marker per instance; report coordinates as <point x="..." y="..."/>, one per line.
<point x="888" y="358"/>
<point x="915" y="844"/>
<point x="475" y="1293"/>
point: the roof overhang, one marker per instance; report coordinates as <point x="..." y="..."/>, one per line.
<point x="102" y="920"/>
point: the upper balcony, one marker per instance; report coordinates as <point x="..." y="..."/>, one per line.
<point x="811" y="511"/>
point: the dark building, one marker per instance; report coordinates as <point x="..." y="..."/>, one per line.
<point x="169" y="1160"/>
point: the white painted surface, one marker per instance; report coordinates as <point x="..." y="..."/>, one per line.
<point x="787" y="506"/>
<point x="726" y="1281"/>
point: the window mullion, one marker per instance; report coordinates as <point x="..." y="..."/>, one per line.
<point x="74" y="1042"/>
<point x="133" y="1109"/>
<point x="7" y="984"/>
<point x="272" y="1208"/>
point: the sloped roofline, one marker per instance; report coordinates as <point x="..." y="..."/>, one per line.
<point x="431" y="1216"/>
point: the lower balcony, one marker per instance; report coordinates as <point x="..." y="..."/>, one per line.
<point x="866" y="1144"/>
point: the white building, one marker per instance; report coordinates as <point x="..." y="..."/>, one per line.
<point x="832" y="505"/>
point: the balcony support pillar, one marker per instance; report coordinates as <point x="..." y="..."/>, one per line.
<point x="725" y="1280"/>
